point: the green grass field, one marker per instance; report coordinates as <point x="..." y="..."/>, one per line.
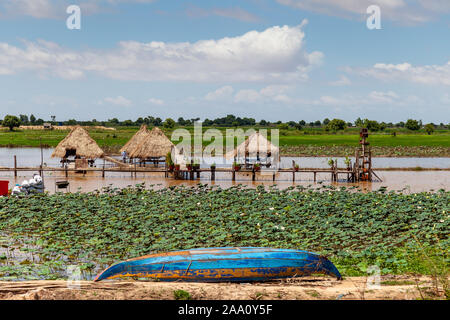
<point x="292" y="142"/>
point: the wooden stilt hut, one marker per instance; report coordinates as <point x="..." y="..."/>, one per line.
<point x="136" y="140"/>
<point x="256" y="149"/>
<point x="152" y="147"/>
<point x="79" y="145"/>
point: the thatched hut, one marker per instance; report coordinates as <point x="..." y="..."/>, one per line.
<point x="136" y="140"/>
<point x="156" y="145"/>
<point x="78" y="144"/>
<point x="255" y="148"/>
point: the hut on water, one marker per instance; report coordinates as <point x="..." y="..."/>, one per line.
<point x="152" y="147"/>
<point x="140" y="136"/>
<point x="79" y="145"/>
<point x="255" y="149"/>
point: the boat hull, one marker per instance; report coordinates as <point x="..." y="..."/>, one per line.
<point x="222" y="265"/>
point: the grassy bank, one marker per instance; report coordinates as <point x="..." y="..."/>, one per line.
<point x="393" y="231"/>
<point x="292" y="142"/>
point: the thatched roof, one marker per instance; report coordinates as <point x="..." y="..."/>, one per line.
<point x="156" y="145"/>
<point x="136" y="140"/>
<point x="78" y="140"/>
<point x="255" y="143"/>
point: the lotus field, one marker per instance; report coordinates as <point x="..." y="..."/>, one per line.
<point x="41" y="235"/>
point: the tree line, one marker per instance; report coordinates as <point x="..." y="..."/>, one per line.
<point x="230" y="120"/>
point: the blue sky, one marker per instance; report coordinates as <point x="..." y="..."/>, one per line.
<point x="266" y="59"/>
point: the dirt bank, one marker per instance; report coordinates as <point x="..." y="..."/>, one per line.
<point x="309" y="288"/>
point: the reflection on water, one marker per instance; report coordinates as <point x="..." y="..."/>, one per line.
<point x="394" y="180"/>
<point x="416" y="181"/>
<point x="27" y="157"/>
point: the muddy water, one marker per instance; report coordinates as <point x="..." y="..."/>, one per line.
<point x="414" y="181"/>
<point x="27" y="157"/>
<point x="393" y="180"/>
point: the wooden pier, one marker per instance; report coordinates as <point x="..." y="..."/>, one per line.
<point x="192" y="174"/>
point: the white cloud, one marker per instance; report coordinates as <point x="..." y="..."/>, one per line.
<point x="155" y="101"/>
<point x="426" y="74"/>
<point x="384" y="97"/>
<point x="406" y="11"/>
<point x="118" y="101"/>
<point x="275" y="54"/>
<point x="220" y="94"/>
<point x="270" y="93"/>
<point x="343" y="81"/>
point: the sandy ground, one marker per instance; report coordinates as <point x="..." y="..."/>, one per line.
<point x="308" y="288"/>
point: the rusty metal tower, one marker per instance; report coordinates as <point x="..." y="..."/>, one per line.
<point x="363" y="156"/>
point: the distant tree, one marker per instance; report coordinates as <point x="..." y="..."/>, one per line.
<point x="429" y="128"/>
<point x="114" y="121"/>
<point x="169" y="123"/>
<point x="292" y="124"/>
<point x="383" y="126"/>
<point x="181" y="121"/>
<point x="311" y="124"/>
<point x="208" y="123"/>
<point x="336" y="124"/>
<point x="140" y="121"/>
<point x="157" y="122"/>
<point x="299" y="125"/>
<point x="359" y="123"/>
<point x="401" y="124"/>
<point x="23" y="119"/>
<point x="32" y="119"/>
<point x="283" y="126"/>
<point x="302" y="122"/>
<point x="317" y="123"/>
<point x="263" y="123"/>
<point x="11" y="122"/>
<point x="372" y="125"/>
<point x="128" y="123"/>
<point x="53" y="118"/>
<point x="39" y="122"/>
<point x="326" y="121"/>
<point x="71" y="122"/>
<point x="412" y="125"/>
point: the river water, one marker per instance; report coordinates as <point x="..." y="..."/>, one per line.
<point x="413" y="181"/>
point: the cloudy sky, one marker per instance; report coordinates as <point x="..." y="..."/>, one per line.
<point x="266" y="59"/>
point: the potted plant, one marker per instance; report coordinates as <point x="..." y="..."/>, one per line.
<point x="213" y="166"/>
<point x="236" y="166"/>
<point x="347" y="162"/>
<point x="257" y="167"/>
<point x="189" y="166"/>
<point x="296" y="167"/>
<point x="177" y="167"/>
<point x="331" y="162"/>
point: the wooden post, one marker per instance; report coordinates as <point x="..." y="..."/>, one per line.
<point x="65" y="170"/>
<point x="213" y="174"/>
<point x="103" y="170"/>
<point x="253" y="174"/>
<point x="15" y="166"/>
<point x="315" y="176"/>
<point x="293" y="171"/>
<point x="233" y="178"/>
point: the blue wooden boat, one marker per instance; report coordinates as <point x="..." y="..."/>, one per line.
<point x="222" y="265"/>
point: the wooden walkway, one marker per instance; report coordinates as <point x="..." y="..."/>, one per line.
<point x="189" y="174"/>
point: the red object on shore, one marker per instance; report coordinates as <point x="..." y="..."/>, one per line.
<point x="4" y="188"/>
